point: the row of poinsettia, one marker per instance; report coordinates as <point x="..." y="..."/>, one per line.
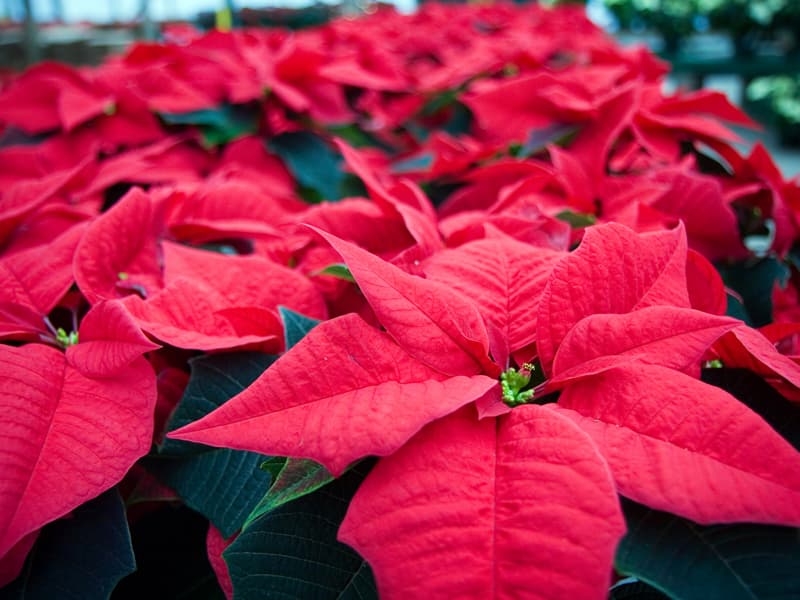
<point x="514" y="275"/>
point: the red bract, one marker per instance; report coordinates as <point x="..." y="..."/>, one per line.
<point x="68" y="436"/>
<point x="618" y="373"/>
<point x="38" y="277"/>
<point x="520" y="319"/>
<point x="52" y="96"/>
<point x="119" y="253"/>
<point x="477" y="500"/>
<point x="621" y="273"/>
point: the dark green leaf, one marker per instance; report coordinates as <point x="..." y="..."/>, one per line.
<point x="274" y="465"/>
<point x="338" y="270"/>
<point x="292" y="552"/>
<point x="295" y="325"/>
<point x="83" y="555"/>
<point x="222" y="484"/>
<point x="298" y="477"/>
<point x="357" y="137"/>
<point x="214" y="380"/>
<point x="759" y="396"/>
<point x="422" y="162"/>
<point x="460" y="121"/>
<point x="170" y="547"/>
<point x="440" y="102"/>
<point x="315" y="165"/>
<point x="721" y="562"/>
<point x="754" y="281"/>
<point x="633" y="589"/>
<point x="736" y="309"/>
<point x="218" y="125"/>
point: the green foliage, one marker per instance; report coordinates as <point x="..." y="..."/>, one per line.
<point x="296" y="478"/>
<point x="83" y="555"/>
<point x="720" y="562"/>
<point x="295" y="325"/>
<point x="753" y="281"/>
<point x="222" y="484"/>
<point x="219" y="125"/>
<point x="292" y="552"/>
<point x="316" y="167"/>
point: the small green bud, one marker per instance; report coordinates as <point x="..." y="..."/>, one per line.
<point x="513" y="385"/>
<point x="64" y="339"/>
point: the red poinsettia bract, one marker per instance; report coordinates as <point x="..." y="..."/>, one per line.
<point x="489" y="483"/>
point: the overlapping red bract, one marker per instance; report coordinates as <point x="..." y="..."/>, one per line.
<point x="621" y="362"/>
<point x="445" y="299"/>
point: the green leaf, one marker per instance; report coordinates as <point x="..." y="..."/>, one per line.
<point x="754" y="281"/>
<point x="338" y="270"/>
<point x="274" y="465"/>
<point x="218" y="125"/>
<point x="576" y="220"/>
<point x="80" y="556"/>
<point x="292" y="552"/>
<point x="295" y="325"/>
<point x="720" y="562"/>
<point x="297" y="478"/>
<point x="633" y="589"/>
<point x="214" y="380"/>
<point x="357" y="137"/>
<point x="170" y="546"/>
<point x="414" y="164"/>
<point x="315" y="165"/>
<point x="460" y="120"/>
<point x="222" y="484"/>
<point x="782" y="415"/>
<point x="736" y="309"/>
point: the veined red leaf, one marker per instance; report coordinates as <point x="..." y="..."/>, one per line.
<point x="748" y="348"/>
<point x="343" y="392"/>
<point x="215" y="546"/>
<point x="362" y="222"/>
<point x="120" y="247"/>
<point x="24" y="197"/>
<point x="221" y="209"/>
<point x="170" y="160"/>
<point x="188" y="314"/>
<point x="11" y="564"/>
<point x="505" y="278"/>
<point x="244" y="280"/>
<point x="698" y="200"/>
<point x="574" y="178"/>
<point x="404" y="199"/>
<point x="108" y="340"/>
<point x="531" y="101"/>
<point x="21" y="323"/>
<point x="477" y="510"/>
<point x="593" y="143"/>
<point x="705" y="286"/>
<point x="616" y="271"/>
<point x="67" y="437"/>
<point x="38" y="277"/>
<point x="51" y="95"/>
<point x="657" y="335"/>
<point x="432" y="322"/>
<point x="677" y="444"/>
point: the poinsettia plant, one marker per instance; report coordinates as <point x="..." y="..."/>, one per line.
<point x="451" y="304"/>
